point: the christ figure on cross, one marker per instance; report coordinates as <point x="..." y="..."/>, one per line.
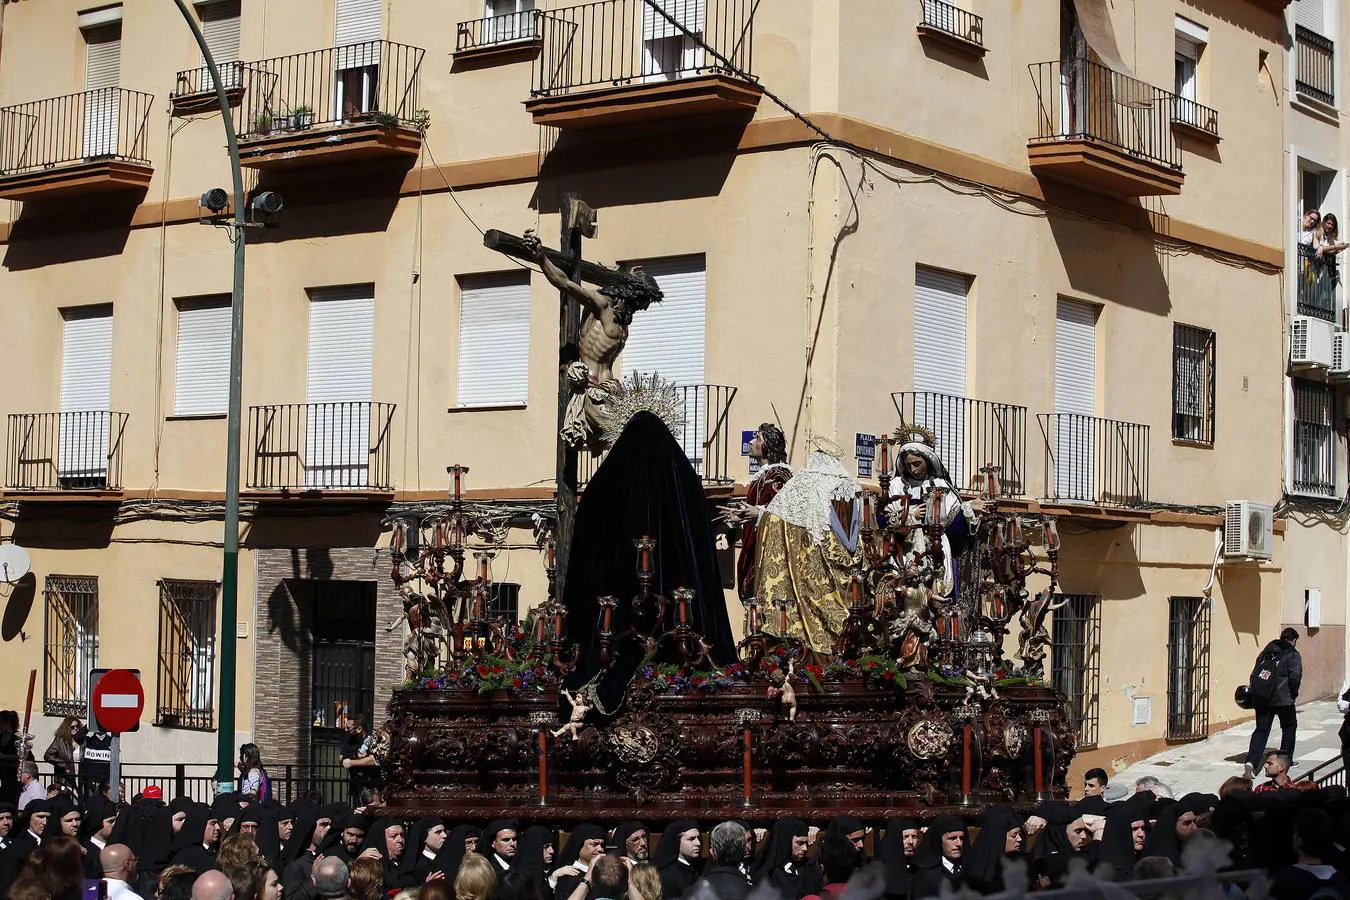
<point x="607" y="313"/>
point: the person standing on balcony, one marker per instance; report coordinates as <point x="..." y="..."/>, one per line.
<point x="1273" y="689"/>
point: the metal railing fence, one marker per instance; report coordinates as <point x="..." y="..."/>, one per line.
<point x="619" y="42"/>
<point x="1196" y="115"/>
<point x="493" y="30"/>
<point x="953" y="20"/>
<point x="321" y="446"/>
<point x="705" y="436"/>
<point x="1095" y="460"/>
<point x="1317" y="277"/>
<point x="108" y="123"/>
<point x="65" y="451"/>
<point x="972" y="434"/>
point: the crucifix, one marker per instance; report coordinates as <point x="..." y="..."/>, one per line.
<point x="589" y="345"/>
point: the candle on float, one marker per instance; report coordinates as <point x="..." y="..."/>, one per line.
<point x="539" y="630"/>
<point x="550" y="553"/>
<point x="885" y="445"/>
<point x="1051" y="534"/>
<point x="457" y="533"/>
<point x="1015" y="531"/>
<point x="752" y="615"/>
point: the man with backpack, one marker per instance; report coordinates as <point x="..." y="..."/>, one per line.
<point x="1273" y="691"/>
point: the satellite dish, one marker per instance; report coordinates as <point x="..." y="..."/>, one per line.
<point x="14" y="563"/>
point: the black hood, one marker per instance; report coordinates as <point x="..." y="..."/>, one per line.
<point x="1117" y="844"/>
<point x="416" y="837"/>
<point x="668" y="849"/>
<point x="779" y="849"/>
<point x="194" y="828"/>
<point x="624" y="831"/>
<point x="982" y="861"/>
<point x="581" y="834"/>
<point x="452" y="854"/>
<point x="929" y="853"/>
<point x="891" y="854"/>
<point x="530" y="849"/>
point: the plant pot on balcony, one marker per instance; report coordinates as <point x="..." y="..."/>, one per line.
<point x="302" y="120"/>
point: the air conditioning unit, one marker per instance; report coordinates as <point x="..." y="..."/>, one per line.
<point x="1311" y="342"/>
<point x="1340" y="356"/>
<point x="1248" y="530"/>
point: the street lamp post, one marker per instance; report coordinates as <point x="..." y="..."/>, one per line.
<point x="229" y="577"/>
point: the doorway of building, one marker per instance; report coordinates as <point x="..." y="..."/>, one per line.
<point x="341" y="618"/>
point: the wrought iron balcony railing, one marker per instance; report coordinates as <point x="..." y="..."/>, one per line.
<point x="320" y="447"/>
<point x="1095" y="460"/>
<point x="953" y="20"/>
<point x="621" y="42"/>
<point x="1316" y="284"/>
<point x="1196" y="115"/>
<point x="972" y="434"/>
<point x="705" y="437"/>
<point x="94" y="125"/>
<point x="198" y="81"/>
<point x="1315" y="75"/>
<point x="1080" y="100"/>
<point x="376" y="81"/>
<point x="494" y="30"/>
<point x="65" y="451"/>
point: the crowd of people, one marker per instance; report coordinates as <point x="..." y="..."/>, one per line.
<point x="247" y="848"/>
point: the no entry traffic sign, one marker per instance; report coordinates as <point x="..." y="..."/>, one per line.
<point x="117" y="700"/>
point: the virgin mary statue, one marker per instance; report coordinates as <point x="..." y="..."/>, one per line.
<point x="808" y="548"/>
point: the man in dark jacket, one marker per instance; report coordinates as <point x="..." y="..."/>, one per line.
<point x="726" y="847"/>
<point x="1274" y="691"/>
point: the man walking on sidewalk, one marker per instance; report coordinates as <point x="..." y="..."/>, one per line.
<point x="1274" y="691"/>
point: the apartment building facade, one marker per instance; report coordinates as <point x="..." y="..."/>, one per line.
<point x="1057" y="233"/>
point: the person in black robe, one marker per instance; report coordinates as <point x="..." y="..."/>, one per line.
<point x="785" y="866"/>
<point x="938" y="859"/>
<point x="426" y="838"/>
<point x="100" y="815"/>
<point x="346" y="838"/>
<point x="387" y="837"/>
<point x="1001" y="837"/>
<point x="1065" y="838"/>
<point x="535" y="852"/>
<point x="753" y="851"/>
<point x="24" y="844"/>
<point x="632" y="840"/>
<point x="678" y="857"/>
<point x="308" y="837"/>
<point x="645" y="486"/>
<point x="198" y="841"/>
<point x="852" y="828"/>
<point x="461" y="841"/>
<point x="584" y="844"/>
<point x="286" y="821"/>
<point x="1124" y="836"/>
<point x="1174" y="826"/>
<point x="499" y="842"/>
<point x="225" y="809"/>
<point x="896" y="854"/>
<point x="9" y="815"/>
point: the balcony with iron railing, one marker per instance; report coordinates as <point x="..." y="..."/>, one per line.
<point x="305" y="448"/>
<point x="952" y="26"/>
<point x="1316" y="284"/>
<point x="65" y="452"/>
<point x="1315" y="66"/>
<point x="1105" y="131"/>
<point x="1195" y="119"/>
<point x="972" y="435"/>
<point x="705" y="435"/>
<point x="194" y="92"/>
<point x="505" y="38"/>
<point x="338" y="104"/>
<point x="621" y="61"/>
<point x="1093" y="460"/>
<point x="91" y="142"/>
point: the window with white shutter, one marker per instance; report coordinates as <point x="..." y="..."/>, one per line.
<point x="667" y="51"/>
<point x="220" y="27"/>
<point x="1311" y="14"/>
<point x="341" y="363"/>
<point x="1075" y="399"/>
<point x="940" y="310"/>
<point x="86" y="390"/>
<point x="102" y="74"/>
<point x="201" y="385"/>
<point x="507" y="20"/>
<point x="358" y="26"/>
<point x="494" y="340"/>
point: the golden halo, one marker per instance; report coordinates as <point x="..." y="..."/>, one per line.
<point x="906" y="431"/>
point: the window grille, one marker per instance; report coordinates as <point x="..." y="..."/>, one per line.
<point x="504" y="601"/>
<point x="1192" y="384"/>
<point x="1188" y="669"/>
<point x="1075" y="661"/>
<point x="1313" y="458"/>
<point x="71" y="643"/>
<point x="185" y="677"/>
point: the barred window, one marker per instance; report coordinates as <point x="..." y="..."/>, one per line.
<point x="1075" y="661"/>
<point x="1188" y="669"/>
<point x="70" y="648"/>
<point x="186" y="673"/>
<point x="1192" y="384"/>
<point x="504" y="601"/>
<point x="1313" y="457"/>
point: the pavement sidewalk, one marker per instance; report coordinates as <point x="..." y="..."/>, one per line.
<point x="1203" y="765"/>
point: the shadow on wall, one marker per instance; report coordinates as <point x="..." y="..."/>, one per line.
<point x="1240" y="589"/>
<point x="1102" y="561"/>
<point x="18" y="606"/>
<point x="59" y="526"/>
<point x="939" y="52"/>
<point x="361" y="201"/>
<point x="1112" y="263"/>
<point x="65" y="231"/>
<point x="1323" y="651"/>
<point x="338" y="525"/>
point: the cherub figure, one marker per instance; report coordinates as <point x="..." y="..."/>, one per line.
<point x="782" y="689"/>
<point x="577" y="721"/>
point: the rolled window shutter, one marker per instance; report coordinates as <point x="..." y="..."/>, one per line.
<point x="494" y="340"/>
<point x="669" y="337"/>
<point x="940" y="312"/>
<point x="86" y="360"/>
<point x="1311" y="15"/>
<point x="220" y="27"/>
<point x="202" y="370"/>
<point x="103" y="57"/>
<point x="1075" y="437"/>
<point x="341" y="344"/>
<point x="689" y="13"/>
<point x="358" y="28"/>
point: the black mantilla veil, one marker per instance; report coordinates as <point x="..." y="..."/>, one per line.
<point x="645" y="486"/>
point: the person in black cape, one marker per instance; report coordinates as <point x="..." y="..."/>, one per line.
<point x="499" y="842"/>
<point x="1117" y="853"/>
<point x="535" y="852"/>
<point x="25" y="843"/>
<point x="100" y="815"/>
<point x="190" y="846"/>
<point x="645" y="486"/>
<point x="388" y="842"/>
<point x="785" y="866"/>
<point x="678" y="870"/>
<point x="296" y="880"/>
<point x="426" y="839"/>
<point x="455" y="849"/>
<point x="938" y="859"/>
<point x="346" y="838"/>
<point x="573" y="858"/>
<point x="1001" y="837"/>
<point x="891" y="854"/>
<point x="632" y="841"/>
<point x="852" y="828"/>
<point x="1174" y="826"/>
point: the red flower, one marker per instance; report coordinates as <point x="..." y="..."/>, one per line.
<point x="698" y="680"/>
<point x="515" y="683"/>
<point x="888" y="675"/>
<point x="482" y="671"/>
<point x="497" y="670"/>
<point x="871" y="664"/>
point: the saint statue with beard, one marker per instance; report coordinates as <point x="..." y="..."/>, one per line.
<point x="808" y="548"/>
